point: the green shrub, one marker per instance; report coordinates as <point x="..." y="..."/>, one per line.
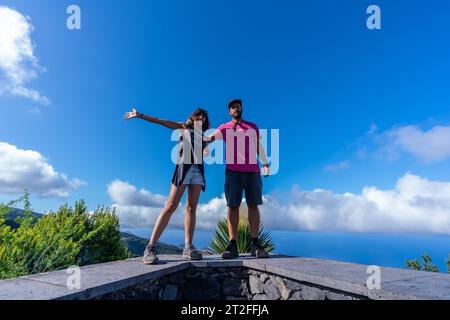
<point x="70" y="236"/>
<point x="427" y="264"/>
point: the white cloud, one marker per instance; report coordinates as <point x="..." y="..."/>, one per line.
<point x="427" y="146"/>
<point x="18" y="64"/>
<point x="338" y="166"/>
<point x="28" y="169"/>
<point x="127" y="194"/>
<point x="416" y="205"/>
<point x="140" y="208"/>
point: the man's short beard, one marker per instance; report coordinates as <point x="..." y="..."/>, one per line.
<point x="237" y="116"/>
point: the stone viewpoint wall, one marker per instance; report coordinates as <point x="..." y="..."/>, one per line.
<point x="235" y="283"/>
<point x="246" y="278"/>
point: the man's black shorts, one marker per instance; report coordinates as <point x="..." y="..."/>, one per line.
<point x="238" y="182"/>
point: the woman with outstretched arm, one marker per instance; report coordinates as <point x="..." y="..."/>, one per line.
<point x="189" y="175"/>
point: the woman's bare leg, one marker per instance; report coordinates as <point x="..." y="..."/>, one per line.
<point x="191" y="210"/>
<point x="176" y="193"/>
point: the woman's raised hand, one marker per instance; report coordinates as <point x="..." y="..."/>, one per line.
<point x="189" y="122"/>
<point x="132" y="115"/>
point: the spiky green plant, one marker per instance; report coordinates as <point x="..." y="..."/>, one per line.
<point x="221" y="239"/>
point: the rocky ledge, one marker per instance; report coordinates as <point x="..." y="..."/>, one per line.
<point x="277" y="278"/>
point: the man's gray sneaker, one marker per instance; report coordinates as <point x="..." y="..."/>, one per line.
<point x="258" y="251"/>
<point x="150" y="255"/>
<point x="191" y="253"/>
<point x="231" y="252"/>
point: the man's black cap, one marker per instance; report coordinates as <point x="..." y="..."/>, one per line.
<point x="233" y="102"/>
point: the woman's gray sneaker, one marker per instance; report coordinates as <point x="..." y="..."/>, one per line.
<point x="150" y="255"/>
<point x="191" y="253"/>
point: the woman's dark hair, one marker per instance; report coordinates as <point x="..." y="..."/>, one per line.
<point x="206" y="124"/>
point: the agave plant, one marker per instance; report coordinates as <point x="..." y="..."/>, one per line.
<point x="221" y="239"/>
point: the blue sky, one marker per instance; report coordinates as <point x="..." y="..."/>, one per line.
<point x="356" y="108"/>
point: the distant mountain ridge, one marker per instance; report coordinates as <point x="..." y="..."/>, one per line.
<point x="136" y="245"/>
<point x="16" y="213"/>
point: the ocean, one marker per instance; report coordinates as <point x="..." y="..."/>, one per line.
<point x="385" y="250"/>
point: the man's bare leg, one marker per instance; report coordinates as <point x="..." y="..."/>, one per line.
<point x="254" y="219"/>
<point x="233" y="222"/>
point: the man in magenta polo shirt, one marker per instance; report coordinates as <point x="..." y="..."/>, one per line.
<point x="243" y="175"/>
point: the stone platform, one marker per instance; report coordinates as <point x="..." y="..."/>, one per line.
<point x="246" y="278"/>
